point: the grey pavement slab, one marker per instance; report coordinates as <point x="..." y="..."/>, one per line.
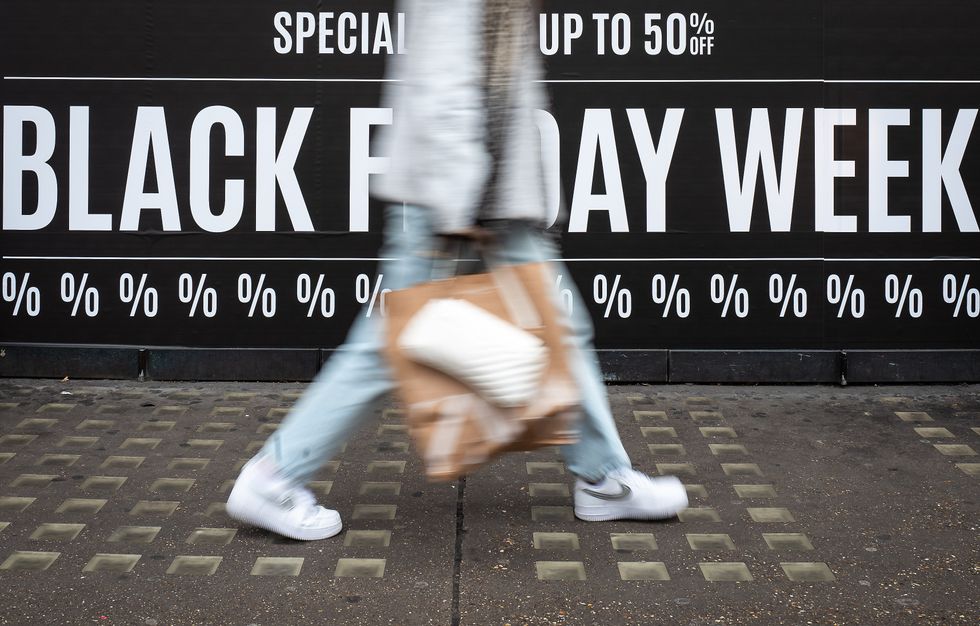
<point x="821" y="505"/>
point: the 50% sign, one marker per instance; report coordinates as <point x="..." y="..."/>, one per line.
<point x="20" y="293"/>
<point x="131" y="293"/>
<point x="197" y="295"/>
<point x="957" y="291"/>
<point x="612" y="296"/>
<point x="80" y="296"/>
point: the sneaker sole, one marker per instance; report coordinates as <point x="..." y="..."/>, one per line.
<point x="246" y="512"/>
<point x="608" y="514"/>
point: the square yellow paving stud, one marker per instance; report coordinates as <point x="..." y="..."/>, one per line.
<point x="171" y="485"/>
<point x="360" y="568"/>
<point x="633" y="542"/>
<point x="227" y="411"/>
<point x="784" y="542"/>
<point x="240" y="396"/>
<point x="717" y="541"/>
<point x="956" y="449"/>
<point x="718" y="431"/>
<point x="277" y="566"/>
<point x="255" y="446"/>
<point x="194" y="565"/>
<point x="741" y="469"/>
<point x="808" y="572"/>
<point x="156" y="426"/>
<point x="77" y="442"/>
<point x="369" y="488"/>
<point x="30" y="561"/>
<point x="16" y="440"/>
<point x="548" y="490"/>
<point x="216" y="427"/>
<point x="374" y="511"/>
<point x="188" y="464"/>
<point x="95" y="424"/>
<point x="6" y="456"/>
<point x="56" y="407"/>
<point x="103" y="483"/>
<point x="134" y="534"/>
<point x="552" y="514"/>
<point x="560" y="570"/>
<point x="535" y="468"/>
<point x="157" y="508"/>
<point x="34" y="481"/>
<point x="634" y="398"/>
<point x="666" y="449"/>
<point x="698" y="400"/>
<point x="205" y="444"/>
<point x="392" y="446"/>
<point x="725" y="572"/>
<point x="4" y="525"/>
<point x="277" y="413"/>
<point x="650" y="416"/>
<point x="699" y="514"/>
<point x="58" y="460"/>
<point x="170" y="410"/>
<point x="676" y="469"/>
<point x="393" y="429"/>
<point x="913" y="416"/>
<point x="976" y="430"/>
<point x="970" y="469"/>
<point x="386" y="467"/>
<point x="37" y="423"/>
<point x="706" y="416"/>
<point x="933" y="433"/>
<point x="696" y="491"/>
<point x="211" y="536"/>
<point x="216" y="509"/>
<point x="115" y="563"/>
<point x="85" y="506"/>
<point x="658" y="432"/>
<point x="126" y="462"/>
<point x="754" y="491"/>
<point x="57" y="532"/>
<point x="721" y="449"/>
<point x="642" y="570"/>
<point x="331" y="467"/>
<point x="267" y="429"/>
<point x="770" y="515"/>
<point x="140" y="443"/>
<point x="555" y="541"/>
<point x="324" y="487"/>
<point x="367" y="538"/>
<point x="110" y="409"/>
<point x="9" y="406"/>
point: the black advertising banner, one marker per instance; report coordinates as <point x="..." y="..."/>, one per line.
<point x="737" y="175"/>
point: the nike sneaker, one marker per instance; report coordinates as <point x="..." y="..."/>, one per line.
<point x="261" y="497"/>
<point x="627" y="494"/>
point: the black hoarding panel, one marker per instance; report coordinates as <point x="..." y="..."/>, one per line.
<point x="231" y="364"/>
<point x="25" y="361"/>
<point x="740" y="178"/>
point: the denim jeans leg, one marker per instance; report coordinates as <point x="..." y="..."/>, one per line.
<point x="356" y="378"/>
<point x="599" y="449"/>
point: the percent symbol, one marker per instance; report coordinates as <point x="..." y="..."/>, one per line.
<point x="786" y="294"/>
<point x="727" y="294"/>
<point x="130" y="293"/>
<point x="206" y="297"/>
<point x="88" y="295"/>
<point x="905" y="296"/>
<point x="702" y="24"/>
<point x="845" y="295"/>
<point x="306" y="293"/>
<point x="373" y="297"/>
<point x="679" y="299"/>
<point x="261" y="293"/>
<point x="602" y="293"/>
<point x="961" y="295"/>
<point x="567" y="299"/>
<point x="19" y="292"/>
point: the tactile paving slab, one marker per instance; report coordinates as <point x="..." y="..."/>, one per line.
<point x="808" y="504"/>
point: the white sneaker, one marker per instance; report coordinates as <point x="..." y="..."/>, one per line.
<point x="628" y="494"/>
<point x="261" y="498"/>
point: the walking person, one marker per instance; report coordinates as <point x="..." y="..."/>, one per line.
<point x="464" y="157"/>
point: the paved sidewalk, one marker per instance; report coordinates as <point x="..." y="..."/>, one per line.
<point x="820" y="505"/>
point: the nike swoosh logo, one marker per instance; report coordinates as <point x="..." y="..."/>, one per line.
<point x="624" y="493"/>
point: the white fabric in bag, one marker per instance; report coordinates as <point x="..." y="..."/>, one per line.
<point x="502" y="362"/>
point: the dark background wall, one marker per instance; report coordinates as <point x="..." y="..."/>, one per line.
<point x="855" y="257"/>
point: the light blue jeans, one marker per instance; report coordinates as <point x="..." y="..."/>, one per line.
<point x="353" y="383"/>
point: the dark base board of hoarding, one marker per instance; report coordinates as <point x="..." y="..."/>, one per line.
<point x="618" y="366"/>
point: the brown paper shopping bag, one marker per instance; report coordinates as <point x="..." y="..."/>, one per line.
<point x="456" y="428"/>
